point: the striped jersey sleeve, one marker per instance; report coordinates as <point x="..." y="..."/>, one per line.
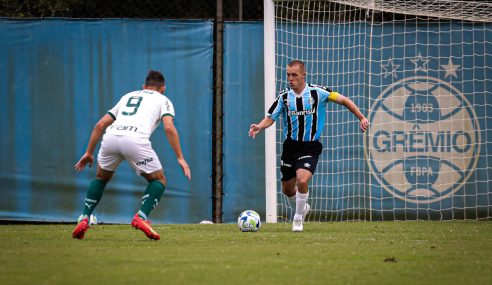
<point x="277" y="107"/>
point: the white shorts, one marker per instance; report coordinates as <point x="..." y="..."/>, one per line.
<point x="137" y="152"/>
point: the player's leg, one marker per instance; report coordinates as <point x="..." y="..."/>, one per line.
<point x="108" y="160"/>
<point x="302" y="180"/>
<point x="150" y="200"/>
<point x="144" y="160"/>
<point x="288" y="171"/>
<point x="305" y="167"/>
<point x="153" y="192"/>
<point x="96" y="189"/>
<point x="289" y="189"/>
<point x="302" y="207"/>
<point x="92" y="198"/>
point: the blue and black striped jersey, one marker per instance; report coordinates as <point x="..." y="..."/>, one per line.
<point x="303" y="116"/>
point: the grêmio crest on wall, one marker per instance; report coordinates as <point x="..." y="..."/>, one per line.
<point x="424" y="140"/>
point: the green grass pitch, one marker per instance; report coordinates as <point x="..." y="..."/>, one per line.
<point x="325" y="253"/>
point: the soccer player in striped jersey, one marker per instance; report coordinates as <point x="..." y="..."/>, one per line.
<point x="128" y="126"/>
<point x="303" y="109"/>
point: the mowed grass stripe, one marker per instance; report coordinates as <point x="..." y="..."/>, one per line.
<point x="325" y="253"/>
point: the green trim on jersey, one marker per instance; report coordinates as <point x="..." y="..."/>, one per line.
<point x="166" y="115"/>
<point x="111" y="114"/>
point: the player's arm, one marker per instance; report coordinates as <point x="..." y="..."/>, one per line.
<point x="97" y="133"/>
<point x="173" y="138"/>
<point x="256" y="128"/>
<point x="273" y="113"/>
<point x="350" y="105"/>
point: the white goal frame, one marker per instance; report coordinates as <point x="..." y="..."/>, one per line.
<point x="433" y="10"/>
<point x="270" y="137"/>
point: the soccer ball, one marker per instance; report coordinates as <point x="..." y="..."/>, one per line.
<point x="249" y="221"/>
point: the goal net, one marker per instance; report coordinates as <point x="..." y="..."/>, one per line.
<point x="421" y="72"/>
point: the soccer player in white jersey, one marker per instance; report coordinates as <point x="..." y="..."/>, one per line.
<point x="128" y="126"/>
<point x="303" y="111"/>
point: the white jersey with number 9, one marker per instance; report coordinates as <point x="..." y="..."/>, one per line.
<point x="138" y="114"/>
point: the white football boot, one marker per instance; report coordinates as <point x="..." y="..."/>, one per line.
<point x="297" y="224"/>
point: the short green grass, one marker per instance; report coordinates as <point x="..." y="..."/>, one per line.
<point x="325" y="253"/>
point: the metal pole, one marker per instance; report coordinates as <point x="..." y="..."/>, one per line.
<point x="217" y="167"/>
<point x="240" y="10"/>
<point x="270" y="136"/>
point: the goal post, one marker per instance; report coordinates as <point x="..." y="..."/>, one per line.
<point x="270" y="137"/>
<point x="421" y="72"/>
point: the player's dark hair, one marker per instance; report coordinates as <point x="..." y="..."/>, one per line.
<point x="297" y="62"/>
<point x="155" y="79"/>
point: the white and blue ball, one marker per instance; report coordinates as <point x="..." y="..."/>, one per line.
<point x="249" y="221"/>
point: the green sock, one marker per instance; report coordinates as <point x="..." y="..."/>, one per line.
<point x="93" y="196"/>
<point x="151" y="198"/>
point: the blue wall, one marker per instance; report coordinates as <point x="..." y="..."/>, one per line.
<point x="60" y="76"/>
<point x="244" y="170"/>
